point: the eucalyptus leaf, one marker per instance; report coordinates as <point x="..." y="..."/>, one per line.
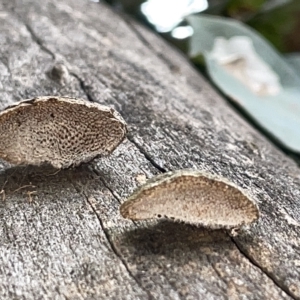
<point x="294" y="60"/>
<point x="279" y="114"/>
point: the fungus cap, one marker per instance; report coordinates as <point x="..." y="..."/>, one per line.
<point x="61" y="131"/>
<point x="194" y="197"/>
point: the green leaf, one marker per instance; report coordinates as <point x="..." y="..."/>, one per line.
<point x="294" y="61"/>
<point x="278" y="114"/>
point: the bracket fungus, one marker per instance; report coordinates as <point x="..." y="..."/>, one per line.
<point x="60" y="131"/>
<point x="194" y="197"/>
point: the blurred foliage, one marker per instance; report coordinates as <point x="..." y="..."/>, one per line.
<point x="277" y="20"/>
<point x="280" y="26"/>
<point x="243" y="9"/>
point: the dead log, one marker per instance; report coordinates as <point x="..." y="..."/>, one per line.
<point x="62" y="236"/>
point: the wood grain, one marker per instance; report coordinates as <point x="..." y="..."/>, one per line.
<point x="62" y="236"/>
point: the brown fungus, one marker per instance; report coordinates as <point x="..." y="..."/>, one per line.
<point x="193" y="197"/>
<point x="60" y="131"/>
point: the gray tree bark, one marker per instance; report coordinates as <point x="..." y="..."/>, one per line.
<point x="61" y="235"/>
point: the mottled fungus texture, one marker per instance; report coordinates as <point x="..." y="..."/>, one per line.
<point x="194" y="197"/>
<point x="60" y="131"/>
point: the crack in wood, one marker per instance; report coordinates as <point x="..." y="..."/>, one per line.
<point x="38" y="41"/>
<point x="163" y="170"/>
<point x="105" y="184"/>
<point x="106" y="233"/>
<point x="268" y="274"/>
<point x="146" y="155"/>
<point x="216" y="270"/>
<point x="276" y="279"/>
<point x="110" y="242"/>
<point x="83" y="86"/>
<point x="34" y="37"/>
<point x="129" y="137"/>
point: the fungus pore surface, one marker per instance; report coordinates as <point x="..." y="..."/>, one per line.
<point x="61" y="131"/>
<point x="193" y="197"/>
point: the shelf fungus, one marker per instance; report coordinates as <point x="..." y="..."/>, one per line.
<point x="194" y="197"/>
<point x="60" y="131"/>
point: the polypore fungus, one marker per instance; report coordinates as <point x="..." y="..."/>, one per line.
<point x="61" y="131"/>
<point x="193" y="197"/>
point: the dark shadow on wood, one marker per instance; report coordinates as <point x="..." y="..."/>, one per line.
<point x="30" y="180"/>
<point x="166" y="237"/>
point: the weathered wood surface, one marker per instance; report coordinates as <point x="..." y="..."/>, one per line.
<point x="62" y="236"/>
